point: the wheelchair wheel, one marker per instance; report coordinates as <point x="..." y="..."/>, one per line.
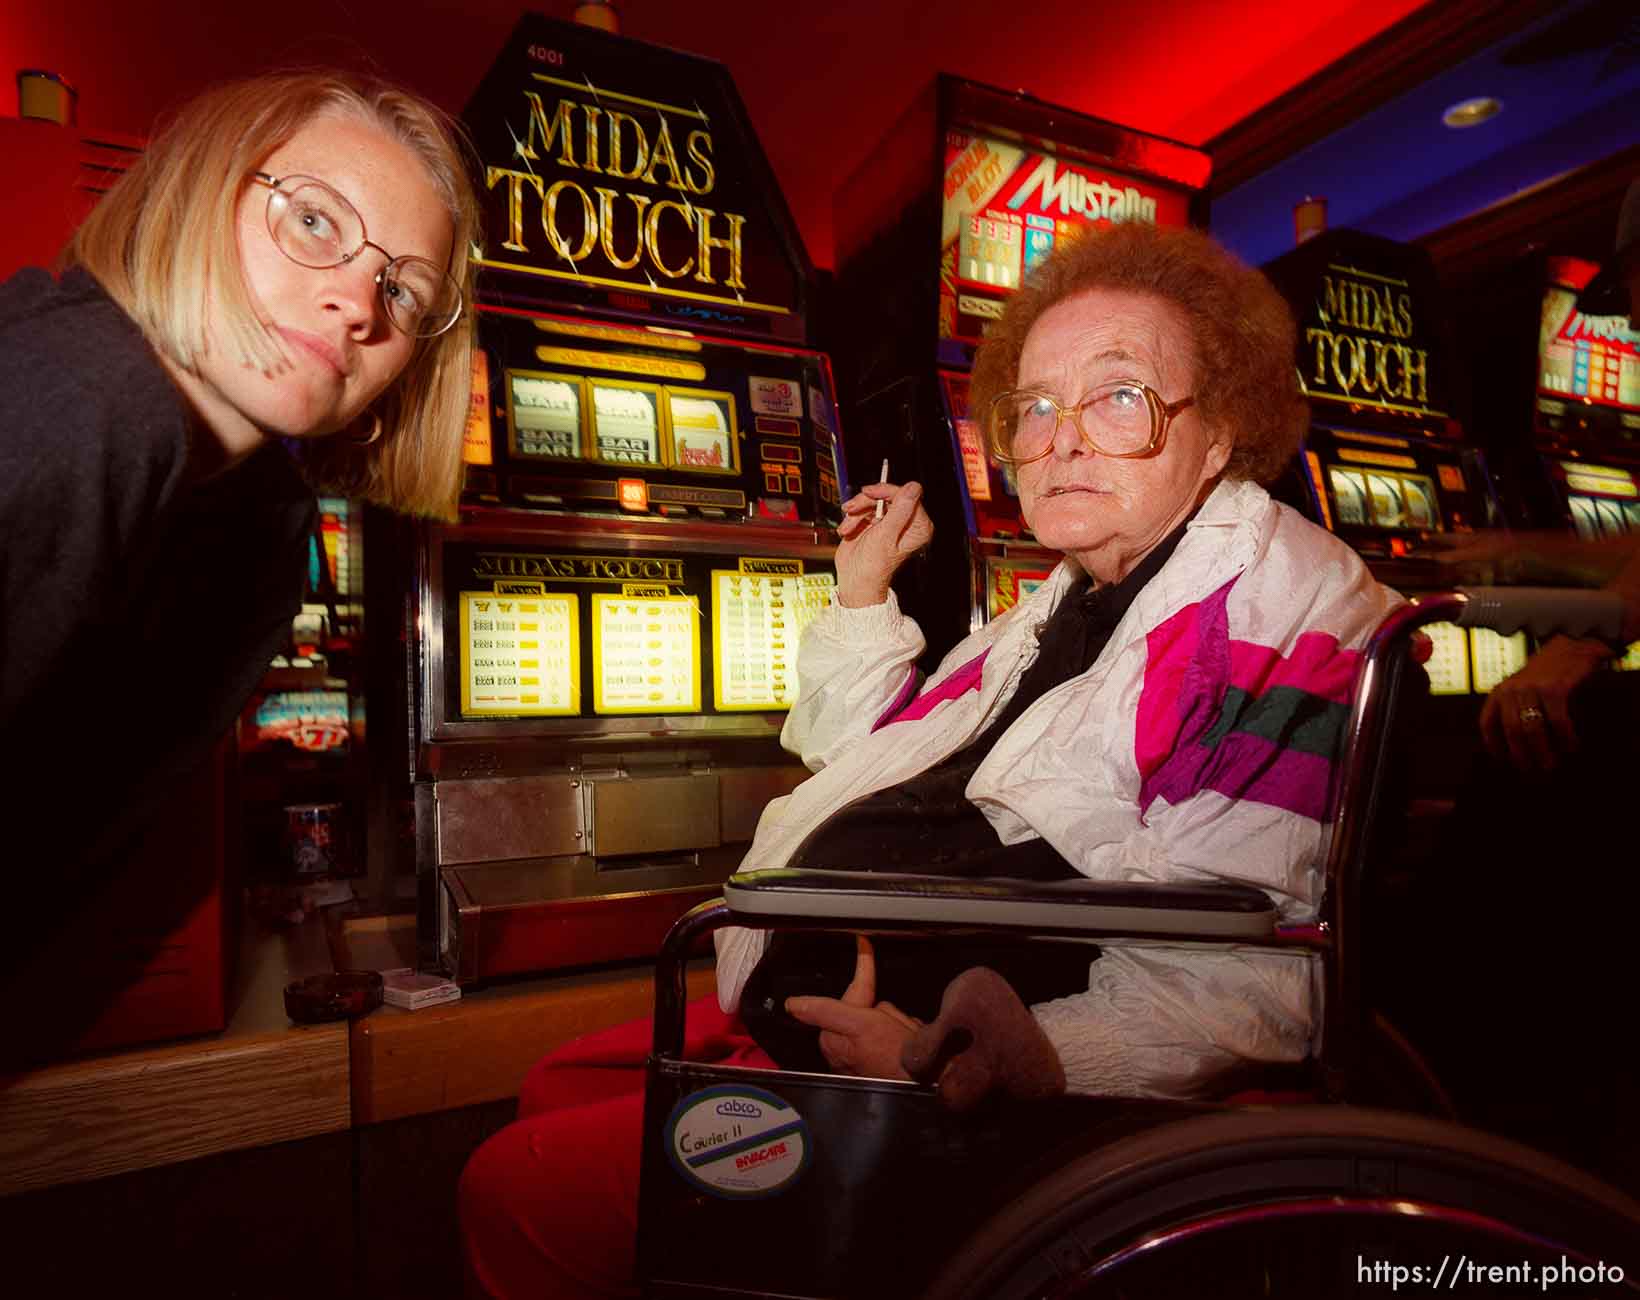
<point x="1311" y="1201"/>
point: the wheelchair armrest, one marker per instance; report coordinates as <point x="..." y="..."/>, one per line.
<point x="899" y="900"/>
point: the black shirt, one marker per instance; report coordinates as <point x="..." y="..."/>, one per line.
<point x="138" y="610"/>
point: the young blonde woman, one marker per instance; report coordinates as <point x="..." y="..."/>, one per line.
<point x="272" y="300"/>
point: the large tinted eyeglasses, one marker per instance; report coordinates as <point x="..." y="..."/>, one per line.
<point x="316" y="227"/>
<point x="1123" y="418"/>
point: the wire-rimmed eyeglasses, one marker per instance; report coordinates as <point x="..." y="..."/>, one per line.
<point x="315" y="226"/>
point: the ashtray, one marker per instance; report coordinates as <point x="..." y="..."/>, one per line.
<point x="342" y="995"/>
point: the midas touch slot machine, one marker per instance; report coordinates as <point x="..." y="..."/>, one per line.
<point x="1385" y="463"/>
<point x="969" y="191"/>
<point x="608" y="636"/>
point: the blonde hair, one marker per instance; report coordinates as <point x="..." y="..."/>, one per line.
<point x="164" y="244"/>
<point x="1241" y="329"/>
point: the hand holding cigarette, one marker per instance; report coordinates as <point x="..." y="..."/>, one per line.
<point x="884" y="524"/>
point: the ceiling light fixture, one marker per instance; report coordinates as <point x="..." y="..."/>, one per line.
<point x="1472" y="112"/>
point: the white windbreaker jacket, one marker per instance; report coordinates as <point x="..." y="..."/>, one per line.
<point x="1198" y="747"/>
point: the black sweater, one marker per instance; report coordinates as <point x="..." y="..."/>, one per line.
<point x="137" y="610"/>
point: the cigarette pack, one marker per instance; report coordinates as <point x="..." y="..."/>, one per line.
<point x="412" y="991"/>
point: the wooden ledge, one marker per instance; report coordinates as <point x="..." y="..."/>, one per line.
<point x="93" y="1118"/>
<point x="479" y="1048"/>
<point x="261" y="1080"/>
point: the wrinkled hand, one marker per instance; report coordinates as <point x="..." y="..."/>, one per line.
<point x="1526" y="720"/>
<point x="984" y="1040"/>
<point x="872" y="549"/>
<point x="858" y="1034"/>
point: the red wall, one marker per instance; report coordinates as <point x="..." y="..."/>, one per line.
<point x="821" y="78"/>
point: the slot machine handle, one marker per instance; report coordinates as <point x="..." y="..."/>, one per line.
<point x="1544" y="611"/>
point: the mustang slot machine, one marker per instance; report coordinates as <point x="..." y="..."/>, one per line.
<point x="964" y="196"/>
<point x="1586" y="411"/>
<point x="607" y="637"/>
<point x="1577" y="464"/>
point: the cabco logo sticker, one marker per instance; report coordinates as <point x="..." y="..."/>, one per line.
<point x="737" y="1142"/>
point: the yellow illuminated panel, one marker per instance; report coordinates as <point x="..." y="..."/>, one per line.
<point x="520" y="655"/>
<point x="1583" y="480"/>
<point x="757" y="622"/>
<point x="1448" y="667"/>
<point x="1376" y="458"/>
<point x="1495" y="657"/>
<point x="646" y="654"/>
<point x="1376" y="439"/>
<point x="1612" y="473"/>
<point x="630" y="363"/>
<point x="649" y="336"/>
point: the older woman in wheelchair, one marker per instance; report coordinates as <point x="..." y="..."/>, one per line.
<point x="1163" y="717"/>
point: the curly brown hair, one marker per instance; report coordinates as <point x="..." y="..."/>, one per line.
<point x="1243" y="333"/>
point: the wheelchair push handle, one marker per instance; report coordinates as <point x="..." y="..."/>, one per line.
<point x="1543" y="611"/>
<point x="671" y="967"/>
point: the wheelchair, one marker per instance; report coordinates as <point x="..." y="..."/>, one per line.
<point x="781" y="1183"/>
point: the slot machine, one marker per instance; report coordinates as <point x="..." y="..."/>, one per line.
<point x="967" y="192"/>
<point x="1576" y="465"/>
<point x="1385" y="464"/>
<point x="1585" y="412"/>
<point x="606" y="640"/>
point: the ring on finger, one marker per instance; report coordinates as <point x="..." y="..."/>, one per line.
<point x="1531" y="713"/>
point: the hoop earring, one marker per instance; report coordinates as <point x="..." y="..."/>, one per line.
<point x="375" y="432"/>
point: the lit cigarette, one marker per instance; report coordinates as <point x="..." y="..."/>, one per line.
<point x="882" y="478"/>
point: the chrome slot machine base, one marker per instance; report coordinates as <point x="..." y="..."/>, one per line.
<point x="516" y="918"/>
